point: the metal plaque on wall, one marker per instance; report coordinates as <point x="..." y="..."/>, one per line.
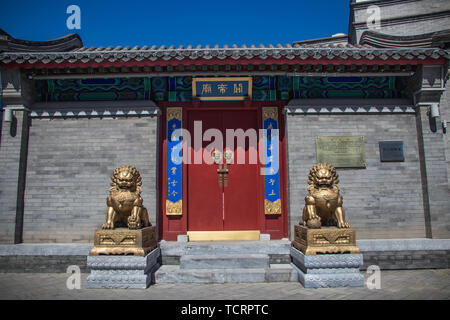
<point x="391" y="151"/>
<point x="341" y="151"/>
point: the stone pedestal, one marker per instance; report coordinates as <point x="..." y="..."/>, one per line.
<point x="328" y="270"/>
<point x="123" y="241"/>
<point x="121" y="271"/>
<point x="325" y="240"/>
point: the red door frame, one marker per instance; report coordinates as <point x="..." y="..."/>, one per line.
<point x="172" y="226"/>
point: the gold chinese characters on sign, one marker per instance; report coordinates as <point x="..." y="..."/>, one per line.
<point x="272" y="196"/>
<point x="222" y="88"/>
<point x="174" y="177"/>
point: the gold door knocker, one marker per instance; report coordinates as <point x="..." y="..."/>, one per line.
<point x="223" y="173"/>
<point x="222" y="170"/>
<point x="228" y="155"/>
<point x="217" y="157"/>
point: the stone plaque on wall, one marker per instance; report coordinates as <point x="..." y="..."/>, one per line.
<point x="341" y="151"/>
<point x="391" y="151"/>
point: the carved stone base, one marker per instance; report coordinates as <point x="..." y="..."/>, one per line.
<point x="123" y="241"/>
<point x="121" y="271"/>
<point x="328" y="270"/>
<point x="325" y="240"/>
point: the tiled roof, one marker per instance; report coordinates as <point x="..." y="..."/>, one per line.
<point x="338" y="38"/>
<point x="439" y="39"/>
<point x="215" y="47"/>
<point x="69" y="49"/>
<point x="66" y="43"/>
<point x="125" y="54"/>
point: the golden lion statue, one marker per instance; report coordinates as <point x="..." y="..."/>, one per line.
<point x="323" y="204"/>
<point x="124" y="202"/>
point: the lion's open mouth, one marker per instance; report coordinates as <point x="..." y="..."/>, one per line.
<point x="324" y="182"/>
<point x="124" y="185"/>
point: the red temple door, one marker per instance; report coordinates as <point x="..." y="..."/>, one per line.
<point x="224" y="199"/>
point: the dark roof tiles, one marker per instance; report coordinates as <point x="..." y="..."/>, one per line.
<point x="438" y="39"/>
<point x="154" y="53"/>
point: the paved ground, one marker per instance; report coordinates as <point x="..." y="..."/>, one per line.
<point x="400" y="284"/>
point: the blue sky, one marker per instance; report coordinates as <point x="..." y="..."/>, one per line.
<point x="134" y="22"/>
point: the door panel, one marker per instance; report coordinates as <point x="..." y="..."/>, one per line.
<point x="240" y="195"/>
<point x="204" y="192"/>
<point x="212" y="206"/>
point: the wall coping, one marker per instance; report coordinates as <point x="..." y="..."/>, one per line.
<point x="349" y="106"/>
<point x="69" y="109"/>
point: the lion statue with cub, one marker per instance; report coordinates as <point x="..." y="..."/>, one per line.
<point x="124" y="204"/>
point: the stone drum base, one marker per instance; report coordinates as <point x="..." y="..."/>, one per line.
<point x="119" y="271"/>
<point x="328" y="270"/>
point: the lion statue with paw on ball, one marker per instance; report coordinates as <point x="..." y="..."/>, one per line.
<point x="323" y="204"/>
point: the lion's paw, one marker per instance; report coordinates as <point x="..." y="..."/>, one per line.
<point x="343" y="224"/>
<point x="133" y="223"/>
<point x="108" y="225"/>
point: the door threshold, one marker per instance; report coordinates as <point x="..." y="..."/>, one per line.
<point x="223" y="235"/>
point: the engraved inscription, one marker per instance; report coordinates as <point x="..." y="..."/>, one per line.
<point x="391" y="151"/>
<point x="341" y="151"/>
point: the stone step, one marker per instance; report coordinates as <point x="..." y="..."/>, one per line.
<point x="276" y="273"/>
<point x="169" y="248"/>
<point x="225" y="261"/>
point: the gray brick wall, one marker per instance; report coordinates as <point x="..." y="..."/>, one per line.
<point x="382" y="201"/>
<point x="70" y="162"/>
<point x="412" y="27"/>
<point x="41" y="264"/>
<point x="399" y="9"/>
<point x="444" y="107"/>
<point x="437" y="177"/>
<point x="401" y="18"/>
<point x="10" y="154"/>
<point x="407" y="259"/>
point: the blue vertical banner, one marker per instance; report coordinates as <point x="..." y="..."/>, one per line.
<point x="174" y="199"/>
<point x="272" y="200"/>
